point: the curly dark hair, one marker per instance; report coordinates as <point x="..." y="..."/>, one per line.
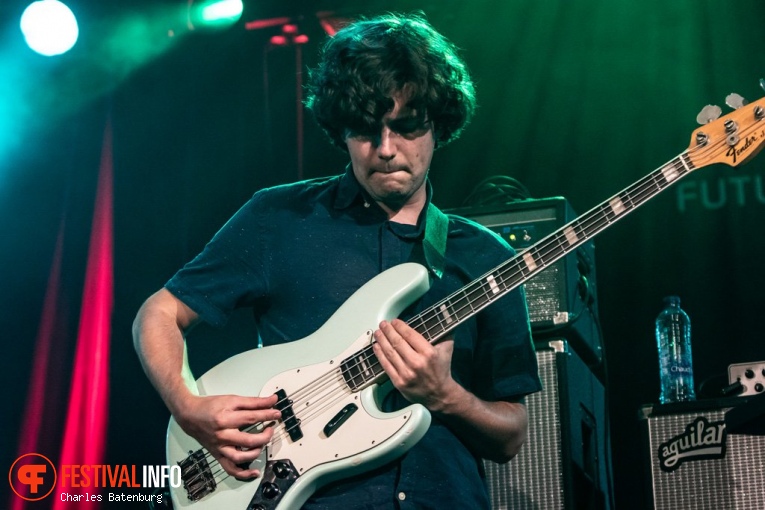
<point x="370" y="60"/>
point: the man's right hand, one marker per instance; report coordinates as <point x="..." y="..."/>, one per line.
<point x="219" y="422"/>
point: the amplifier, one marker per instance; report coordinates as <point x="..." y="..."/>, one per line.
<point x="565" y="462"/>
<point x="562" y="299"/>
<point x="750" y="375"/>
<point x="697" y="463"/>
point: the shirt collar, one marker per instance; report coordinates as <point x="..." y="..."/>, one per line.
<point x="350" y="191"/>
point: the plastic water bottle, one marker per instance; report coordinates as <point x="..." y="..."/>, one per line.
<point x="673" y="338"/>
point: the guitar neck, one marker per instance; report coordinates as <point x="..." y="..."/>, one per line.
<point x="438" y="320"/>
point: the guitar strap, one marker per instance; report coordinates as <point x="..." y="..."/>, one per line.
<point x="434" y="243"/>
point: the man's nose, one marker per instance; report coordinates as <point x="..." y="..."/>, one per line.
<point x="386" y="147"/>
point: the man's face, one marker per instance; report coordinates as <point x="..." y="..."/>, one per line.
<point x="393" y="163"/>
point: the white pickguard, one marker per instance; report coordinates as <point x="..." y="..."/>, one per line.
<point x="369" y="438"/>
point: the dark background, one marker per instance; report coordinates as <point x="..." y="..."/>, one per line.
<point x="577" y="99"/>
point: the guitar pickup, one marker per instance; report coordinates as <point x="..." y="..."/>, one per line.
<point x="291" y="422"/>
<point x="339" y="419"/>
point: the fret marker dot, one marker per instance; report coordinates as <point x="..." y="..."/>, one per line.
<point x="493" y="284"/>
<point x="617" y="205"/>
<point x="529" y="260"/>
<point x="571" y="236"/>
<point x="445" y="314"/>
<point x="670" y="173"/>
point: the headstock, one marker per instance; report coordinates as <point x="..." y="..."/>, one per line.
<point x="733" y="139"/>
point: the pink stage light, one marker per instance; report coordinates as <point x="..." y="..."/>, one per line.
<point x="84" y="440"/>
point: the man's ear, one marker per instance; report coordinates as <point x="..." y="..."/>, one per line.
<point x="436" y="137"/>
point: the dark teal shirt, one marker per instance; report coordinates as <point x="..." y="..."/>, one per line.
<point x="295" y="253"/>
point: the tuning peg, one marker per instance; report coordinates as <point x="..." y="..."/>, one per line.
<point x="709" y="113"/>
<point x="735" y="101"/>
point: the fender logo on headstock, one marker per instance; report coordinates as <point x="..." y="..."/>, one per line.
<point x="733" y="139"/>
<point x="738" y="150"/>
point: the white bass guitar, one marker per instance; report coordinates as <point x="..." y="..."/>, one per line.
<point x="330" y="383"/>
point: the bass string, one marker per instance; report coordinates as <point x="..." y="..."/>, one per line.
<point x="217" y="469"/>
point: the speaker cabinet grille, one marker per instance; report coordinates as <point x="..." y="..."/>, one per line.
<point x="544" y="295"/>
<point x="732" y="478"/>
<point x="562" y="465"/>
<point x="537" y="469"/>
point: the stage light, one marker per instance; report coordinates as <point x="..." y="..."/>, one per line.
<point x="214" y="13"/>
<point x="49" y="27"/>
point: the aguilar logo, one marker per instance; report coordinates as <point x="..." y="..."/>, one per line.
<point x="32" y="476"/>
<point x="701" y="440"/>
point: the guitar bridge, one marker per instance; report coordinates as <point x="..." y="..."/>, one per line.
<point x="197" y="477"/>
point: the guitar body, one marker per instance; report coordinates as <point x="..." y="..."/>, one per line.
<point x="366" y="439"/>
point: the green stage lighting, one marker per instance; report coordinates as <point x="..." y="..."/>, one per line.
<point x="215" y="13"/>
<point x="49" y="27"/>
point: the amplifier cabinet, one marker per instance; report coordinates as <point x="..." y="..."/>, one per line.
<point x="564" y="464"/>
<point x="696" y="464"/>
<point x="562" y="297"/>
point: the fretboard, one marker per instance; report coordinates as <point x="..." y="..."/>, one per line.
<point x="438" y="320"/>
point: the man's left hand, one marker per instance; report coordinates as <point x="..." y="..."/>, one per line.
<point x="420" y="370"/>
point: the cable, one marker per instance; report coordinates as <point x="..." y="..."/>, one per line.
<point x="495" y="190"/>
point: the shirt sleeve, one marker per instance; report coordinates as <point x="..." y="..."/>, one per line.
<point x="231" y="270"/>
<point x="505" y="363"/>
<point x="507" y="349"/>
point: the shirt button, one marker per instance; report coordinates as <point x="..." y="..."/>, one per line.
<point x="366" y="204"/>
<point x="402" y="496"/>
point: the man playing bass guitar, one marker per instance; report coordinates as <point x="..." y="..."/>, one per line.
<point x="388" y="91"/>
